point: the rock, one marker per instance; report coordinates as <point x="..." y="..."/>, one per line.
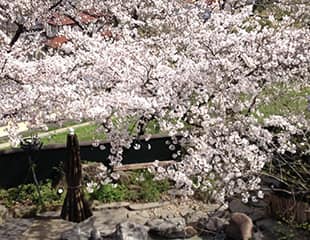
<point x="143" y="206"/>
<point x="107" y="219"/>
<point x="131" y="231"/>
<point x="164" y="212"/>
<point x="81" y="231"/>
<point x="3" y="214"/>
<point x="192" y="218"/>
<point x="221" y="214"/>
<point x="267" y="227"/>
<point x="272" y="229"/>
<point x="262" y="203"/>
<point x="97" y="206"/>
<point x="111" y="216"/>
<point x="74" y="234"/>
<point x="172" y="221"/>
<point x="170" y="228"/>
<point x="140" y="217"/>
<point x="213" y="224"/>
<point x="189" y="232"/>
<point x="87" y="224"/>
<point x="237" y="206"/>
<point x="216" y="224"/>
<point x="192" y="211"/>
<point x="240" y="227"/>
<point x="95" y="234"/>
<point x="256" y="213"/>
<point x="24" y="212"/>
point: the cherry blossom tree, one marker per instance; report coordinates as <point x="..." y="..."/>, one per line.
<point x="198" y="77"/>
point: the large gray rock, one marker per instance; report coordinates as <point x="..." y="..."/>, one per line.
<point x="212" y="224"/>
<point x="81" y="231"/>
<point x="192" y="218"/>
<point x="256" y="212"/>
<point x="131" y="231"/>
<point x="171" y="228"/>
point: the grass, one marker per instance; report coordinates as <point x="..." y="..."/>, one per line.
<point x="85" y="133"/>
<point x="90" y="133"/>
<point x="52" y="127"/>
<point x="285" y="101"/>
<point x="281" y="100"/>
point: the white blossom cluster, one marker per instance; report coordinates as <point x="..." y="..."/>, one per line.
<point x="171" y="65"/>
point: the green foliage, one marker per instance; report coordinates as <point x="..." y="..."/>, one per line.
<point x="110" y="193"/>
<point x="27" y="194"/>
<point x="149" y="189"/>
<point x="140" y="187"/>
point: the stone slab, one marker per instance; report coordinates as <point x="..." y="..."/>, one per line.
<point x="144" y="206"/>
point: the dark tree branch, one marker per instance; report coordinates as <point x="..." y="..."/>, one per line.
<point x="18" y="32"/>
<point x="75" y="21"/>
<point x="55" y="5"/>
<point x="5" y="61"/>
<point x="13" y="79"/>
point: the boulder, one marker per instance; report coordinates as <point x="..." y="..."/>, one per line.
<point x="192" y="218"/>
<point x="213" y="224"/>
<point x="170" y="228"/>
<point x="81" y="231"/>
<point x="131" y="231"/>
<point x="256" y="212"/>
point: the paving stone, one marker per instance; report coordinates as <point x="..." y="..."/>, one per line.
<point x="14" y="228"/>
<point x="97" y="206"/>
<point x="143" y="206"/>
<point x="47" y="228"/>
